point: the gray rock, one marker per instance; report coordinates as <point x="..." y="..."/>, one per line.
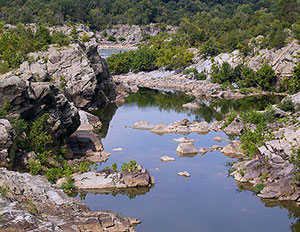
<point x="186" y="149"/>
<point x="203" y="151"/>
<point x="33" y="203"/>
<point x="167" y="159"/>
<point x="233" y="150"/>
<point x="184" y="174"/>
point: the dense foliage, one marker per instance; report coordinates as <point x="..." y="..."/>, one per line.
<point x="17" y="42"/>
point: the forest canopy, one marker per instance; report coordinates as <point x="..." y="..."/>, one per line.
<point x="100" y="14"/>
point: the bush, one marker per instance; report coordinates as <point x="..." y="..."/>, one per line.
<point x="265" y="77"/>
<point x="68" y="186"/>
<point x="193" y="73"/>
<point x="60" y="38"/>
<point x="121" y="39"/>
<point x="288" y="105"/>
<point x="111" y="38"/>
<point x="85" y="38"/>
<point x="130" y="167"/>
<point x="229" y="118"/>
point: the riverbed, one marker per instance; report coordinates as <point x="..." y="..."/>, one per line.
<point x="208" y="201"/>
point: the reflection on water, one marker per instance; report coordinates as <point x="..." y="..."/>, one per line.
<point x="209" y="110"/>
<point x="205" y="202"/>
<point x="131" y="193"/>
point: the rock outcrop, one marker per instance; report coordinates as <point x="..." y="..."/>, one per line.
<point x="271" y="167"/>
<point x="78" y="71"/>
<point x="281" y="60"/>
<point x="30" y="203"/>
<point x="6" y="138"/>
<point x="30" y="100"/>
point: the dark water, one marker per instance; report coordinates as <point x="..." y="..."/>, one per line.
<point x="208" y="201"/>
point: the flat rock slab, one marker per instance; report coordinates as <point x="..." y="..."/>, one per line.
<point x="186" y="149"/>
<point x="107" y="179"/>
<point x="167" y="159"/>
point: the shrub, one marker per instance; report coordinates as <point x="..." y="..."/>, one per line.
<point x="121" y="39"/>
<point x="60" y="38"/>
<point x="130" y="167"/>
<point x="5" y="109"/>
<point x="288" y="105"/>
<point x="229" y="118"/>
<point x="104" y="34"/>
<point x="111" y="38"/>
<point x="114" y="167"/>
<point x="35" y="167"/>
<point x="68" y="186"/>
<point x="85" y="38"/>
<point x="265" y="77"/>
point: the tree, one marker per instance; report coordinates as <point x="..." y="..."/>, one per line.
<point x="265" y="77"/>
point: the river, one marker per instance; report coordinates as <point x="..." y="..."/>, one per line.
<point x="208" y="201"/>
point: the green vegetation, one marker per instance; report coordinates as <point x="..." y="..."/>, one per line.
<point x="193" y="73"/>
<point x="17" y="42"/>
<point x="68" y="186"/>
<point x="288" y="105"/>
<point x="258" y="188"/>
<point x="129" y="167"/>
<point x="229" y="118"/>
<point x="244" y="77"/>
<point x="4" y="190"/>
<point x="35" y="137"/>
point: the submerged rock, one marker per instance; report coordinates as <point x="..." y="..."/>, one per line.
<point x="143" y="125"/>
<point x="184" y="140"/>
<point x="218" y="139"/>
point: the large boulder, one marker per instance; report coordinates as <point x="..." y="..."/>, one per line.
<point x="78" y="71"/>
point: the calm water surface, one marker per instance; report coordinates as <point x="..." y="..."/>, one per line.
<point x="208" y="201"/>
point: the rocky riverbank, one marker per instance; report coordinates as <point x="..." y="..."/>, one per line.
<point x="170" y="81"/>
<point x="56" y="85"/>
<point x="30" y="203"/>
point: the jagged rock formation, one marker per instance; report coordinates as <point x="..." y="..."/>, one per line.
<point x="78" y="71"/>
<point x="30" y="203"/>
<point x="271" y="166"/>
<point x="30" y="100"/>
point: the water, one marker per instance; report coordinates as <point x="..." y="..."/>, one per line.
<point x="208" y="201"/>
<point x="107" y="52"/>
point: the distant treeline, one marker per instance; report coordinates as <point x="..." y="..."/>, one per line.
<point x="102" y="13"/>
